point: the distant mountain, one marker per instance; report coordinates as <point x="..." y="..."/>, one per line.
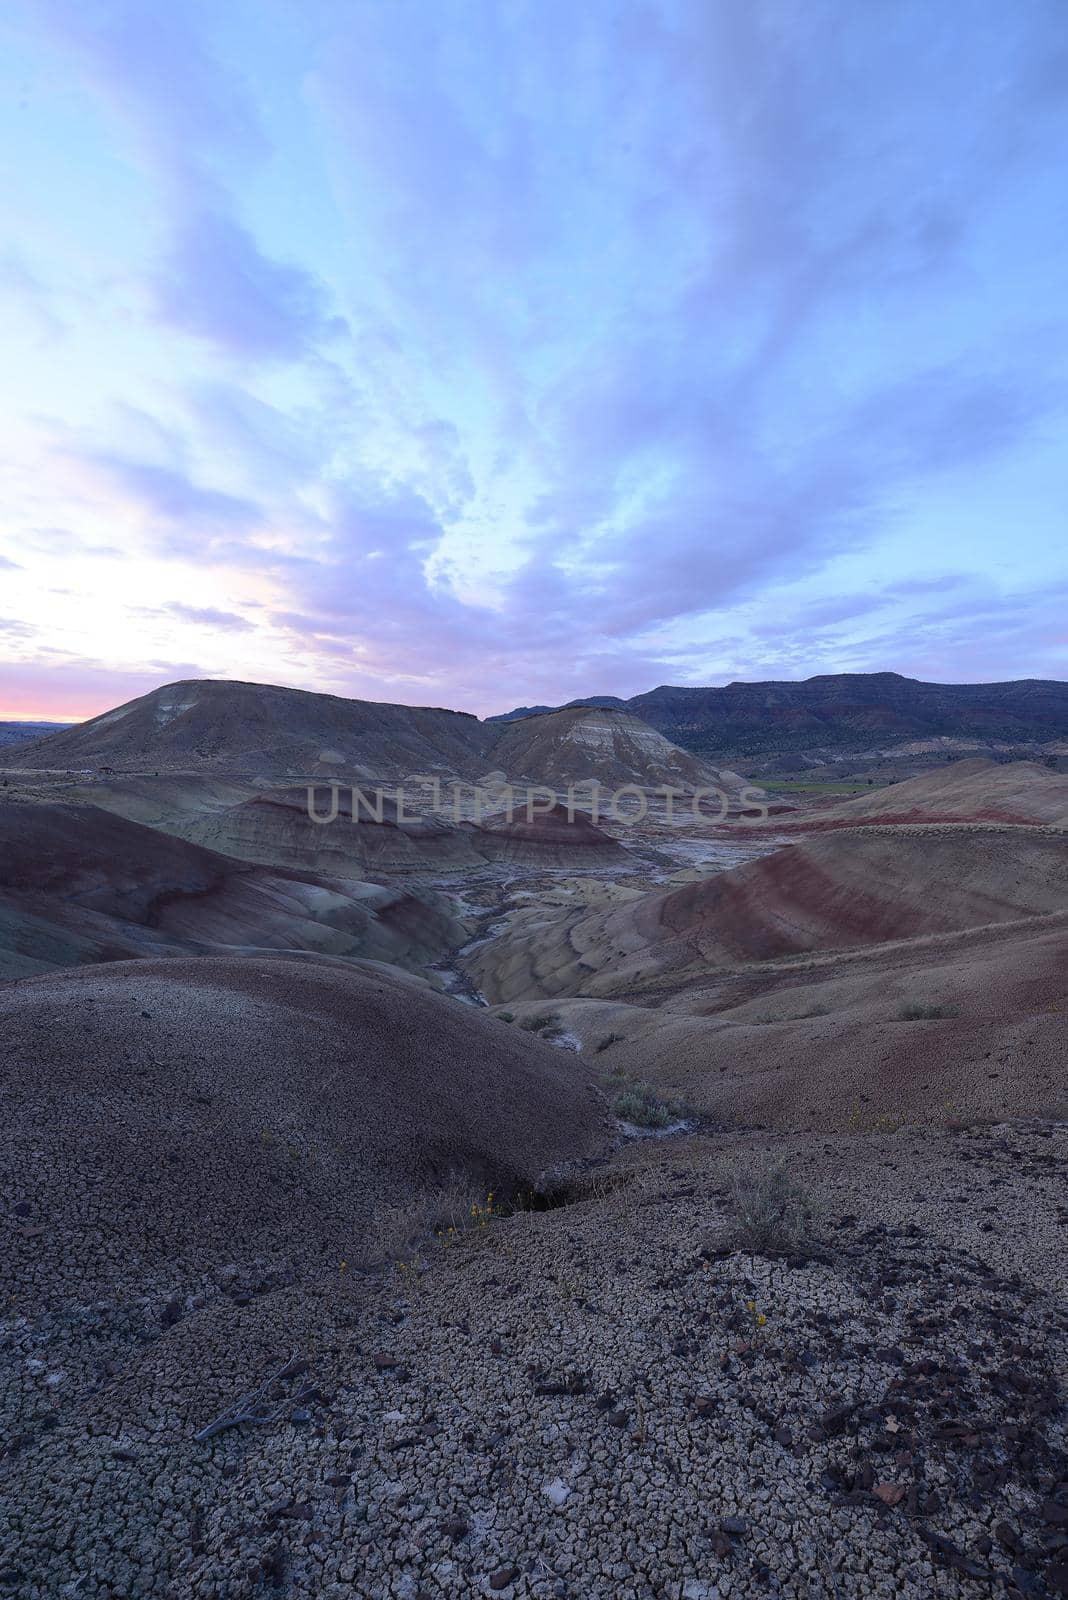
<point x="521" y="711"/>
<point x="845" y="710"/>
<point x="211" y="724"/>
<point x="612" y="701"/>
<point x="24" y="732"/>
<point x="265" y="732"/>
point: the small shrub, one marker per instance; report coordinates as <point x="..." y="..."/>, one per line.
<point x="861" y="1120"/>
<point x="536" y="1024"/>
<point x="402" y="1233"/>
<point x="769" y="1214"/>
<point x="914" y="1012"/>
<point x="636" y="1103"/>
<point x="506" y="1016"/>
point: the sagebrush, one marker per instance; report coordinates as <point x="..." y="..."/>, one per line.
<point x="638" y="1104"/>
<point x="768" y="1213"/>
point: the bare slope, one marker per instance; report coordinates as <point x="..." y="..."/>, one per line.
<point x="963" y="791"/>
<point x="845" y="889"/>
<point x="78" y="884"/>
<point x="834" y="1044"/>
<point x="595" y="1391"/>
<point x="262" y="732"/>
<point x="170" y="1117"/>
<point x="261" y="728"/>
<point x="564" y="747"/>
<point x="380" y="838"/>
<point x="552" y="838"/>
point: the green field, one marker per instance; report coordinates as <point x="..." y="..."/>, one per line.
<point x="800" y="786"/>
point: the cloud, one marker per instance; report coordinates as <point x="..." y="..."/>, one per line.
<point x="198" y="130"/>
<point x="208" y="617"/>
<point x="191" y="515"/>
<point x="675" y="337"/>
<point x="153" y="65"/>
<point x="215" y="282"/>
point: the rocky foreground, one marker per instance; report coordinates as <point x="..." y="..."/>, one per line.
<point x="601" y="1399"/>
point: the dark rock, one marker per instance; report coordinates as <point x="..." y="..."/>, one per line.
<point x="503" y="1577"/>
<point x="170" y="1314"/>
<point x="834" y="1420"/>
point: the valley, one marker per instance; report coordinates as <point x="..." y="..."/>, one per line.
<point x="429" y="1200"/>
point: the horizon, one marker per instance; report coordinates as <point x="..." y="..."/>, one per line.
<point x="6" y="717"/>
<point x="426" y="356"/>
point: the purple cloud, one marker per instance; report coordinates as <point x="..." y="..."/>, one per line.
<point x="209" y="616"/>
<point x="215" y="282"/>
<point x="170" y="494"/>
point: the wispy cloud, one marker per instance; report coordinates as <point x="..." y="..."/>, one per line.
<point x="512" y="356"/>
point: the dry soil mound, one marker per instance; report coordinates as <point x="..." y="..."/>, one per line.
<point x="573" y="746"/>
<point x="551" y="838"/>
<point x="262" y="728"/>
<point x="596" y="1401"/>
<point x="966" y="791"/>
<point x="825" y="893"/>
<point x="80" y="885"/>
<point x="172" y="1117"/>
<point x="961" y="1027"/>
<point x="375" y="836"/>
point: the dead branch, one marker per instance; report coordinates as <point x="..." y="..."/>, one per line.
<point x="259" y="1406"/>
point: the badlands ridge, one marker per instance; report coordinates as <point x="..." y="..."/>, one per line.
<point x="370" y="1187"/>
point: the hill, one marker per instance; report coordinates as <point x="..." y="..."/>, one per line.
<point x="608" y="700"/>
<point x="78" y="885"/>
<point x="570" y="746"/>
<point x="221" y="726"/>
<point x="272" y="1113"/>
<point x="276" y="826"/>
<point x="552" y="838"/>
<point x="835" y="1044"/>
<point x="847" y="709"/>
<point x="965" y="791"/>
<point x="259" y="732"/>
<point x="827" y="892"/>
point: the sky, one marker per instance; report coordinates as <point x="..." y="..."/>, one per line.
<point x="496" y="352"/>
